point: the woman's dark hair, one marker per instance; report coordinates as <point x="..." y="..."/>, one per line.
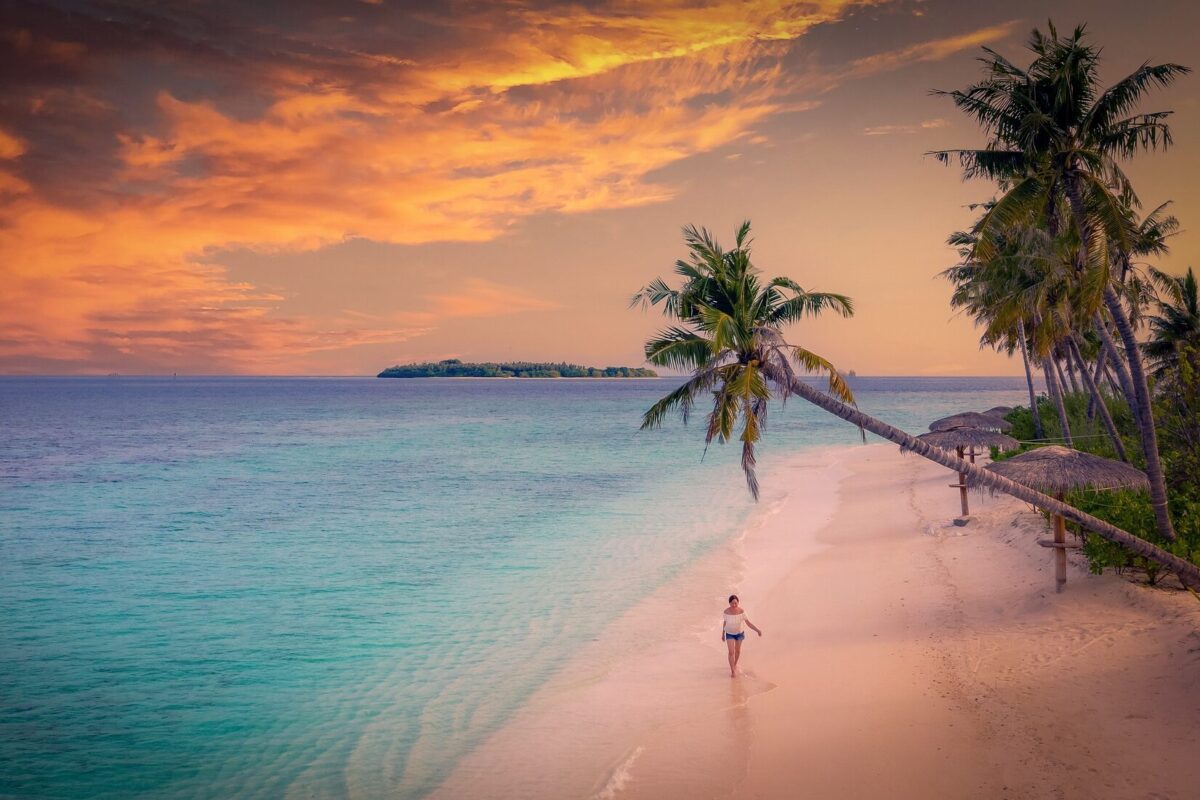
<point x="732" y="597"/>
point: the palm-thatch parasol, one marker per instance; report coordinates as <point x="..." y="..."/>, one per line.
<point x="971" y="419"/>
<point x="998" y="411"/>
<point x="964" y="438"/>
<point x="1054" y="470"/>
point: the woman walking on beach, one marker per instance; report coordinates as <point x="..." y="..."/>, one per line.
<point x="732" y="633"/>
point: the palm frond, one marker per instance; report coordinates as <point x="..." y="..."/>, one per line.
<point x="682" y="398"/>
<point x="1124" y="139"/>
<point x="1020" y="203"/>
<point x="811" y="362"/>
<point x="808" y="304"/>
<point x="653" y="293"/>
<point x="985" y="163"/>
<point x="751" y="433"/>
<point x="724" y="415"/>
<point x="1107" y="212"/>
<point x="678" y="348"/>
<point x="1124" y="95"/>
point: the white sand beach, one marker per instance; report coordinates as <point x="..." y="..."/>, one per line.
<point x="903" y="657"/>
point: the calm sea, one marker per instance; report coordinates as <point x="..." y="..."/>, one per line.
<point x="251" y="587"/>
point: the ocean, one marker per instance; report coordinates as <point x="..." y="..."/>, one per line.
<point x="337" y="587"/>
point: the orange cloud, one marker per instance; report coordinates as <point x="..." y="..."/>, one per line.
<point x="480" y="298"/>
<point x="935" y="50"/>
<point x="570" y="42"/>
<point x="10" y="145"/>
<point x="560" y="109"/>
<point x="887" y="130"/>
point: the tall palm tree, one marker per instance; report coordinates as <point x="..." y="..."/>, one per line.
<point x="1057" y="138"/>
<point x="730" y="336"/>
<point x="974" y="288"/>
<point x="1176" y="324"/>
<point x="1021" y="286"/>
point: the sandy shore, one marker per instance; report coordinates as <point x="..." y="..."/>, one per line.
<point x="902" y="658"/>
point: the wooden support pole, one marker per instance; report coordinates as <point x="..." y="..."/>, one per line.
<point x="962" y="488"/>
<point x="1060" y="551"/>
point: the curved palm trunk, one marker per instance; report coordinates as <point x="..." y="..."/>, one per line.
<point x="1114" y="385"/>
<point x="1188" y="573"/>
<point x="1056" y="398"/>
<point x="1066" y="357"/>
<point x="1056" y="360"/>
<point x="1144" y="417"/>
<point x="1099" y="376"/>
<point x="1118" y="366"/>
<point x="1101" y="406"/>
<point x="1033" y="404"/>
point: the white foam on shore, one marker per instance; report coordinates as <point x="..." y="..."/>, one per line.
<point x="620" y="777"/>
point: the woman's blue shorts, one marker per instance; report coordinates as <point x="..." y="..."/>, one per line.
<point x="736" y="636"/>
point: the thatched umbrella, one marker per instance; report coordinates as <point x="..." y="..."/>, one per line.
<point x="971" y="419"/>
<point x="964" y="438"/>
<point x="998" y="411"/>
<point x="1054" y="470"/>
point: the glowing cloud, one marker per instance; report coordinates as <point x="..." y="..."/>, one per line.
<point x="520" y="110"/>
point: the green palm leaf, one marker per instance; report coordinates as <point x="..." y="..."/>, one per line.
<point x="729" y="331"/>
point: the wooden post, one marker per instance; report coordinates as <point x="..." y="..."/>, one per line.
<point x="962" y="485"/>
<point x="1060" y="550"/>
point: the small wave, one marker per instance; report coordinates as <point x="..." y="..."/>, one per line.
<point x="619" y="778"/>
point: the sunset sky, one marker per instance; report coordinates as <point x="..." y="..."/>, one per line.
<point x="333" y="187"/>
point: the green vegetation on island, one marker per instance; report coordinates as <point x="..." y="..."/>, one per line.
<point x="454" y="368"/>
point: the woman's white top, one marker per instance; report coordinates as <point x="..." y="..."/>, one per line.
<point x="733" y="622"/>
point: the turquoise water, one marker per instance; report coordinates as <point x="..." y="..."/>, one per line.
<point x="336" y="587"/>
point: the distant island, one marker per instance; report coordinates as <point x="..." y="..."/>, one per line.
<point x="453" y="368"/>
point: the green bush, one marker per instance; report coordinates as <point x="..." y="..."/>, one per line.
<point x="1177" y="420"/>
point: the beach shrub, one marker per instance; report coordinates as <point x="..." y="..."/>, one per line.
<point x="1177" y="417"/>
<point x="1177" y="410"/>
<point x="1088" y="435"/>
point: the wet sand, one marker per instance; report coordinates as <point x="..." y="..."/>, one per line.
<point x="903" y="657"/>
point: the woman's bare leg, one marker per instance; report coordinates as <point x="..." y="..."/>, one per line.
<point x="737" y="653"/>
<point x="734" y="645"/>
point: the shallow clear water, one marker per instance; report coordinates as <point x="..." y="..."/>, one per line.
<point x="336" y="587"/>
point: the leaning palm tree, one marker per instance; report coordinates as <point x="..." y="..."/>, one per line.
<point x="730" y="336"/>
<point x="1056" y="139"/>
<point x="734" y="344"/>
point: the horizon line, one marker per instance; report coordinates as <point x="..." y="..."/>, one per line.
<point x="365" y="375"/>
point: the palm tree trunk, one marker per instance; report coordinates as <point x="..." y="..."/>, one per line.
<point x="1188" y="573"/>
<point x="1066" y="357"/>
<point x="1144" y="417"/>
<point x="1033" y="403"/>
<point x="1058" y="370"/>
<point x="1048" y="367"/>
<point x="1118" y="366"/>
<point x="1114" y="385"/>
<point x="1105" y="416"/>
<point x="1096" y="379"/>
